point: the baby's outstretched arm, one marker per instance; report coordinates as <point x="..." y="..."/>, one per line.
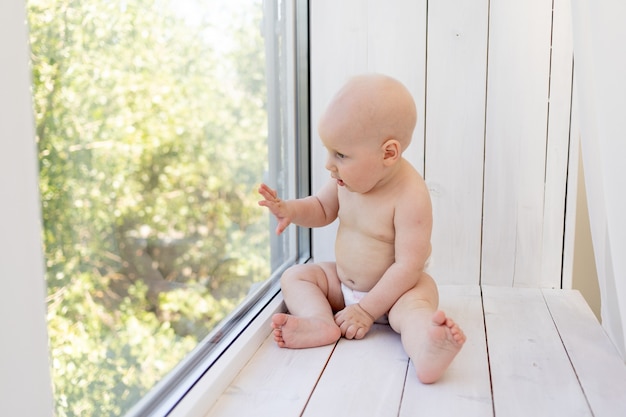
<point x="315" y="211"/>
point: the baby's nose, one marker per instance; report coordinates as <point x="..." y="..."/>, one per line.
<point x="329" y="165"/>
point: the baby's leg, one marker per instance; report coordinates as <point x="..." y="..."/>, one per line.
<point x="311" y="293"/>
<point x="430" y="338"/>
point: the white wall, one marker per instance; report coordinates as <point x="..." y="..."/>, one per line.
<point x="599" y="34"/>
<point x="25" y="388"/>
<point x="492" y="83"/>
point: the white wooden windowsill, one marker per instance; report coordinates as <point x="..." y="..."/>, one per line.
<point x="529" y="352"/>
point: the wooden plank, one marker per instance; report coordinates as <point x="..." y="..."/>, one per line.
<point x="574" y="175"/>
<point x="531" y="373"/>
<point x="561" y="72"/>
<point x="465" y="389"/>
<point x="396" y="46"/>
<point x="515" y="150"/>
<point x="455" y="128"/>
<point x="598" y="365"/>
<point x="363" y="377"/>
<point x="274" y="382"/>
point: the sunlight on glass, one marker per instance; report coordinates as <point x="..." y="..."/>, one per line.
<point x="152" y="134"/>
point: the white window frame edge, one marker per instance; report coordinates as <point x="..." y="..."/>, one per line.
<point x="198" y="381"/>
<point x="25" y="380"/>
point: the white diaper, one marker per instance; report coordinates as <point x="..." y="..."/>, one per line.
<point x="428" y="265"/>
<point x="351" y="297"/>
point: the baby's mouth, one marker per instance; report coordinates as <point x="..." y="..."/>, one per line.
<point x="339" y="180"/>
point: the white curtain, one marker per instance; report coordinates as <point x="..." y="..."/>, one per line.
<point x="600" y="88"/>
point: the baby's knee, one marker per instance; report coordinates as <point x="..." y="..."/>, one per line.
<point x="306" y="272"/>
<point x="310" y="273"/>
<point x="290" y="274"/>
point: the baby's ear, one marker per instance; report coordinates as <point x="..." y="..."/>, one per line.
<point x="391" y="151"/>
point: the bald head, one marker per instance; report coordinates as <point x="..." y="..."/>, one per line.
<point x="377" y="104"/>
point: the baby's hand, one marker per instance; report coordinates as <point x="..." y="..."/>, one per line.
<point x="354" y="322"/>
<point x="276" y="206"/>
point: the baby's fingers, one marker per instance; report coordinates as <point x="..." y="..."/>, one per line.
<point x="350" y="332"/>
<point x="355" y="331"/>
<point x="282" y="225"/>
<point x="267" y="192"/>
<point x="266" y="203"/>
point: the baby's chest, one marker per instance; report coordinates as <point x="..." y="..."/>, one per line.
<point x="368" y="219"/>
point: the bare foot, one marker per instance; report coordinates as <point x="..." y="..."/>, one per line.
<point x="303" y="332"/>
<point x="445" y="339"/>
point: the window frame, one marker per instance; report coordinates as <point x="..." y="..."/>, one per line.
<point x="217" y="359"/>
<point x="24" y="356"/>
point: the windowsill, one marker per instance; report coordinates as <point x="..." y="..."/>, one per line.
<point x="529" y="352"/>
<point x="215" y="380"/>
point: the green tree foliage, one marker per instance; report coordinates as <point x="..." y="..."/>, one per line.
<point x="151" y="130"/>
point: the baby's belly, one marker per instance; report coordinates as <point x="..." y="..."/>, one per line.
<point x="362" y="261"/>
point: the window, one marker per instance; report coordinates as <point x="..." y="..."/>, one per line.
<point x="156" y="120"/>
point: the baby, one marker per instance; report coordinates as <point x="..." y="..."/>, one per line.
<point x="383" y="240"/>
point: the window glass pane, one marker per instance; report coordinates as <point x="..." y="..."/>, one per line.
<point x="152" y="126"/>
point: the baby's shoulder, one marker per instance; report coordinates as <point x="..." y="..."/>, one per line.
<point x="412" y="192"/>
<point x="412" y="181"/>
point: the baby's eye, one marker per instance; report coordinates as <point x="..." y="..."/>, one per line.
<point x="339" y="155"/>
